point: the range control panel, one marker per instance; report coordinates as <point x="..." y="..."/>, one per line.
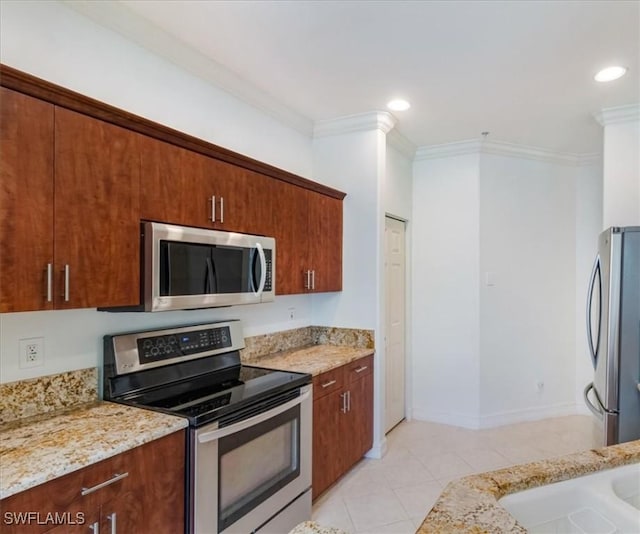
<point x="168" y="346"/>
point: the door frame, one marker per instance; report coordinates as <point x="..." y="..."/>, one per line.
<point x="408" y="406"/>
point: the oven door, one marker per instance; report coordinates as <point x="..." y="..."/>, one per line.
<point x="249" y="471"/>
<point x="187" y="268"/>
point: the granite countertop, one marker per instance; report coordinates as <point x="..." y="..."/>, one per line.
<point x="471" y="505"/>
<point x="312" y="359"/>
<point x="311" y="527"/>
<point x="40" y="448"/>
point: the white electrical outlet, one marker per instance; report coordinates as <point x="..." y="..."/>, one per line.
<point x="292" y="314"/>
<point x="540" y="386"/>
<point x="31" y="352"/>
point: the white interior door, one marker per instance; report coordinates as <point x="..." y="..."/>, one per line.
<point x="395" y="322"/>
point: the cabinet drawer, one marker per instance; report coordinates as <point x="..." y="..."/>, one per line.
<point x="359" y="368"/>
<point x="328" y="382"/>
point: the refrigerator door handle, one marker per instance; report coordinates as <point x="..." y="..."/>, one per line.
<point x="595" y="272"/>
<point x="596" y="410"/>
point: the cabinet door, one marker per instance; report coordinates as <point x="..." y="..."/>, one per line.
<point x="126" y="513"/>
<point x="78" y="523"/>
<point x="243" y="199"/>
<point x="291" y="231"/>
<point x="327" y="441"/>
<point x="175" y="187"/>
<point x="359" y="420"/>
<point x="26" y="201"/>
<point x="97" y="233"/>
<point x="325" y="242"/>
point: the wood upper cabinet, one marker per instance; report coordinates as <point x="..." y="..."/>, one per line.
<point x="68" y="209"/>
<point x="325" y="242"/>
<point x="180" y="186"/>
<point x="308" y="231"/>
<point x="148" y="500"/>
<point x="97" y="198"/>
<point x="26" y="201"/>
<point x="342" y="421"/>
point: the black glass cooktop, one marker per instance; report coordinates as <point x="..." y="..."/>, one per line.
<point x="212" y="396"/>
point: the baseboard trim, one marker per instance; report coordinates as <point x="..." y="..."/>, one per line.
<point x="378" y="450"/>
<point x="498" y="418"/>
<point x="446" y="418"/>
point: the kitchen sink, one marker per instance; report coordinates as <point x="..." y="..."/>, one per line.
<point x="606" y="502"/>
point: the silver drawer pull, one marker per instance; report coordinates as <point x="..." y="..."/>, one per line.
<point x="363" y="368"/>
<point x="95" y="528"/>
<point x="115" y="478"/>
<point x="327" y="384"/>
<point x="114" y="526"/>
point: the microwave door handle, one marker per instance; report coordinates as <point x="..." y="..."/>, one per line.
<point x="263" y="269"/>
<point x="210" y="277"/>
<point x="595" y="272"/>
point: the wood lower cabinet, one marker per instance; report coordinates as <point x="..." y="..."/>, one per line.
<point x="308" y="232"/>
<point x="148" y="500"/>
<point x="342" y="421"/>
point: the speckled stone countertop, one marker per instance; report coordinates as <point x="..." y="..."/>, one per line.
<point x="37" y="449"/>
<point x="311" y="527"/>
<point x="313" y="359"/>
<point x="471" y="505"/>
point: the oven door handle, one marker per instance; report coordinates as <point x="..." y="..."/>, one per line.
<point x="256" y="419"/>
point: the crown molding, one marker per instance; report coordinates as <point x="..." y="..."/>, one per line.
<point x="362" y="122"/>
<point x="117" y="17"/>
<point x="447" y="150"/>
<point x="401" y="143"/>
<point x="502" y="148"/>
<point x="618" y="114"/>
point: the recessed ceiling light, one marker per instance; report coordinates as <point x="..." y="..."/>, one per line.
<point x="398" y="105"/>
<point x="610" y="73"/>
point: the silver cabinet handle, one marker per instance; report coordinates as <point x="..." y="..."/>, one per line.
<point x="66" y="282"/>
<point x="313" y="279"/>
<point x="363" y="368"/>
<point x="115" y="478"/>
<point x="221" y="209"/>
<point x="327" y="384"/>
<point x="343" y="396"/>
<point x="112" y="517"/>
<point x="49" y="281"/>
<point x="95" y="528"/>
<point x="307" y="284"/>
<point x="213" y="209"/>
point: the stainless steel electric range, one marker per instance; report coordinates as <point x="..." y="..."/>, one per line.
<point x="249" y="440"/>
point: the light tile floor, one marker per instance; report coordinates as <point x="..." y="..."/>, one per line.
<point x="395" y="493"/>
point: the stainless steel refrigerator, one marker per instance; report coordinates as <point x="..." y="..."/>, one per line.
<point x="613" y="331"/>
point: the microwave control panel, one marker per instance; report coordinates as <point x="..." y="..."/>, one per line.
<point x="166" y="347"/>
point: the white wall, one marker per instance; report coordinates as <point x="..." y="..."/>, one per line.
<point x="445" y="267"/>
<point x="355" y="163"/>
<point x="588" y="227"/>
<point x="621" y="185"/>
<point x="527" y="317"/>
<point x="53" y="42"/>
<point x="398" y="202"/>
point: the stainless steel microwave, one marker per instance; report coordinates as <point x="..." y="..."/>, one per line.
<point x="187" y="268"/>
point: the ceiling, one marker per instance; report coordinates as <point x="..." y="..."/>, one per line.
<point x="522" y="70"/>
